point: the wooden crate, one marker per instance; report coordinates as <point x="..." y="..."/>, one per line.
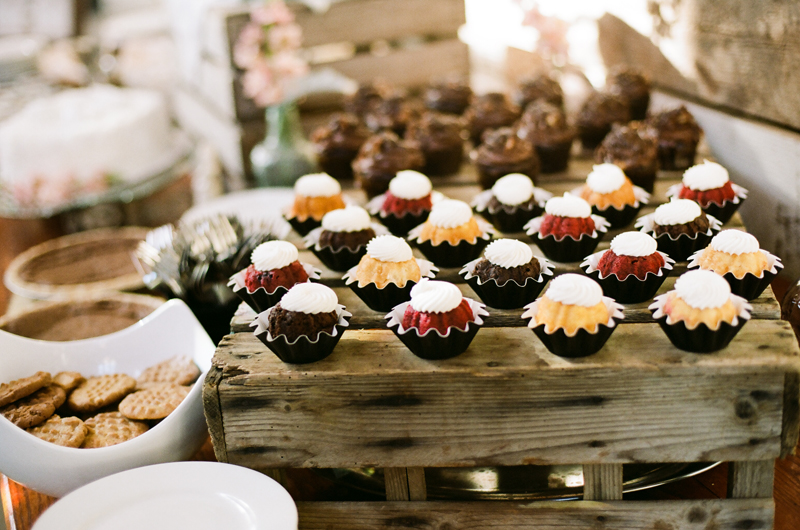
<point x="508" y="401"/>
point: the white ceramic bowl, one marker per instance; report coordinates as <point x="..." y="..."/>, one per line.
<point x="170" y="330"/>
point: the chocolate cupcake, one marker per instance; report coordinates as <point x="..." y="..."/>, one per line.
<point x="700" y="315"/>
<point x="612" y="195"/>
<point x="337" y="143"/>
<point x="632" y="86"/>
<point x="381" y="158"/>
<point x="406" y="204"/>
<point x="501" y="153"/>
<point x="597" y="115"/>
<point x="451" y="96"/>
<point x="633" y="148"/>
<point x="708" y="185"/>
<point x="512" y="202"/>
<point x="545" y="126"/>
<point x="365" y="98"/>
<point x="542" y="87"/>
<point x="438" y="322"/>
<point x="680" y="227"/>
<point x="490" y="111"/>
<point x="393" y="113"/>
<point x="304" y="326"/>
<point x="314" y="196"/>
<point x="678" y="135"/>
<point x="439" y="138"/>
<point x="342" y="239"/>
<point x="508" y="276"/>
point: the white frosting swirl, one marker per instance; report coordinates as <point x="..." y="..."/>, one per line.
<point x="317" y="185"/>
<point x="310" y="298"/>
<point x="705" y="176"/>
<point x="273" y="255"/>
<point x="605" y="178"/>
<point x="734" y="242"/>
<point x="388" y="248"/>
<point x="635" y="244"/>
<point x="568" y="206"/>
<point x="513" y="189"/>
<point x="574" y="289"/>
<point x="703" y="289"/>
<point x="430" y="296"/>
<point x="450" y="213"/>
<point x="348" y="219"/>
<point x="508" y="253"/>
<point x="410" y="185"/>
<point x="677" y="212"/>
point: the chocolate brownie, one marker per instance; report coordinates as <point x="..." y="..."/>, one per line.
<point x="631" y="85"/>
<point x="597" y="115"/>
<point x="632" y="147"/>
<point x="678" y="134"/>
<point x="337" y="143"/>
<point x="451" y="97"/>
<point x="536" y="88"/>
<point x="503" y="152"/>
<point x="439" y="138"/>
<point x="490" y="111"/>
<point x="379" y="160"/>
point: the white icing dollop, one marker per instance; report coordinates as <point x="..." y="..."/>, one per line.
<point x="317" y="185"/>
<point x="734" y="242"/>
<point x="388" y="248"/>
<point x="574" y="289"/>
<point x="431" y="296"/>
<point x="513" y="189"/>
<point x="705" y="176"/>
<point x="703" y="289"/>
<point x="450" y="213"/>
<point x="310" y="298"/>
<point x="508" y="253"/>
<point x="568" y="206"/>
<point x="636" y="244"/>
<point x="348" y="219"/>
<point x="605" y="178"/>
<point x="677" y="212"/>
<point x="410" y="185"/>
<point x="273" y="255"/>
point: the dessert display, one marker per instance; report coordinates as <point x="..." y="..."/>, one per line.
<point x="633" y="148"/>
<point x="451" y="96"/>
<point x="381" y="158"/>
<point x="342" y="239"/>
<point x="709" y="185"/>
<point x="84" y="141"/>
<point x="503" y="152"/>
<point x="541" y="87"/>
<point x="680" y="227"/>
<point x="632" y="86"/>
<point x="489" y="111"/>
<point x="568" y="231"/>
<point x="71" y="410"/>
<point x="678" y="135"/>
<point x="387" y="272"/>
<point x="274" y="270"/>
<point x="304" y="326"/>
<point x="573" y="318"/>
<point x="631" y="270"/>
<point x="736" y="256"/>
<point x="439" y="138"/>
<point x="451" y="236"/>
<point x="438" y="322"/>
<point x="336" y="144"/>
<point x="700" y="315"/>
<point x="512" y="202"/>
<point x="545" y="126"/>
<point x="598" y="114"/>
<point x="314" y="196"/>
<point x="612" y="195"/>
<point x="392" y="113"/>
<point x="406" y="203"/>
<point x="508" y="276"/>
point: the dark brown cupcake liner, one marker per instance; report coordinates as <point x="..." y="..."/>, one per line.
<point x="638" y="106"/>
<point x="644" y="177"/>
<point x="619" y="218"/>
<point x="303" y="350"/>
<point x="566" y="250"/>
<point x="553" y="158"/>
<point x="510" y="295"/>
<point x="343" y="259"/>
<point x="510" y="219"/>
<point x="447" y="255"/>
<point x="677" y="157"/>
<point x="700" y="339"/>
<point x="631" y="290"/>
<point x="488" y="174"/>
<point x="592" y="136"/>
<point x="260" y="300"/>
<point x="443" y="161"/>
<point x="432" y="346"/>
<point x="303" y="227"/>
<point x="684" y="246"/>
<point x="337" y="162"/>
<point x="390" y="295"/>
<point x="750" y="286"/>
<point x="399" y="225"/>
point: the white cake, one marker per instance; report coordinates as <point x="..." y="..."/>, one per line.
<point x="80" y="141"/>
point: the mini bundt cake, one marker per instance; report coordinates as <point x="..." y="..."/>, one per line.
<point x="437" y="305"/>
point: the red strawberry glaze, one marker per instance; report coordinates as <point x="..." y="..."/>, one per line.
<point x="623" y="266"/>
<point x="398" y="206"/>
<point x="458" y="317"/>
<point x="270" y="280"/>
<point x="561" y="227"/>
<point x="706" y="197"/>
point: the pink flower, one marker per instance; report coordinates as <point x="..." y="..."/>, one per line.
<point x="288" y="37"/>
<point x="288" y="65"/>
<point x="259" y="84"/>
<point x="56" y="191"/>
<point x="248" y="45"/>
<point x="272" y="13"/>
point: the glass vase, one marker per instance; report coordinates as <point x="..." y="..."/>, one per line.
<point x="284" y="155"/>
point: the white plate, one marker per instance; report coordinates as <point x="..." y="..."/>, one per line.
<point x="190" y="495"/>
<point x="259" y="204"/>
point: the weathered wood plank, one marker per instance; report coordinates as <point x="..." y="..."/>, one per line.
<point x="417" y="487"/>
<point x="213" y="412"/>
<point x="578" y="515"/>
<point x="602" y="482"/>
<point x="791" y="414"/>
<point x="751" y="480"/>
<point x="396" y="481"/>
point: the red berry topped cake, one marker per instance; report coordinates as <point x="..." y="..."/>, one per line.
<point x="708" y="183"/>
<point x="567" y="216"/>
<point x="409" y="192"/>
<point x="274" y="265"/>
<point x="437" y="305"/>
<point x="631" y="253"/>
